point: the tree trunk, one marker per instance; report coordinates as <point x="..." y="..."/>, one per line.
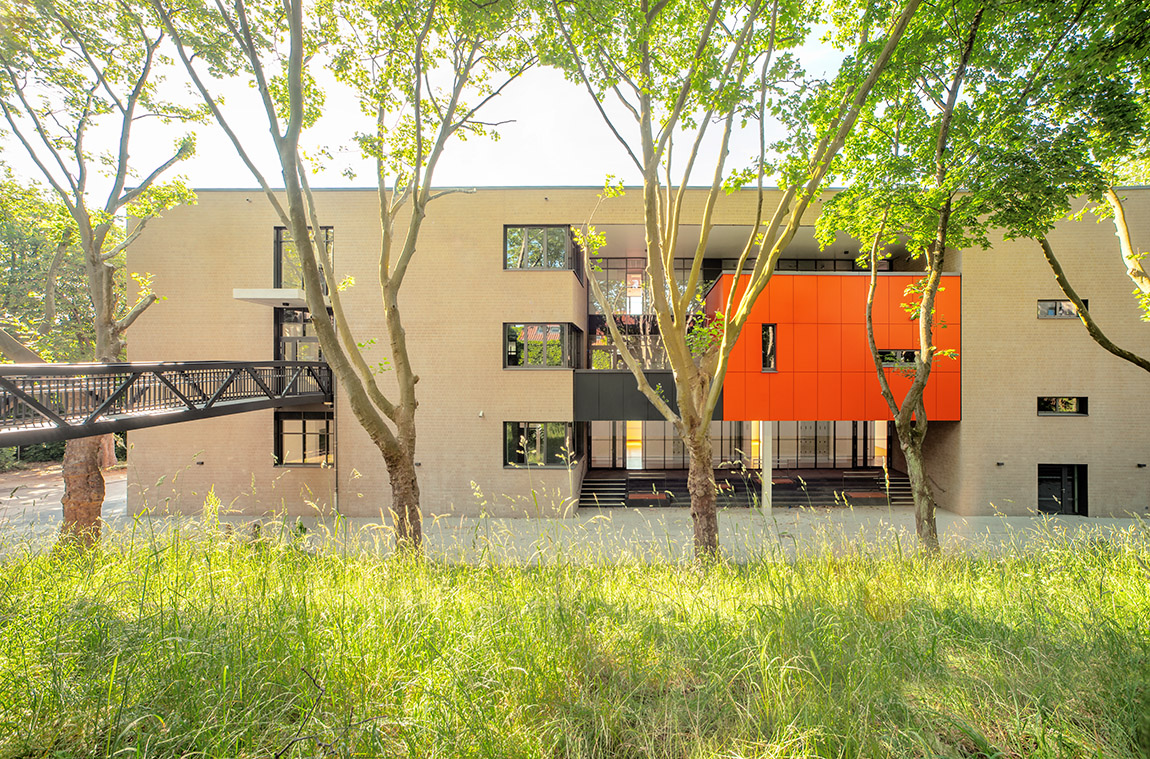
<point x="83" y="491"/>
<point x="405" y="502"/>
<point x="83" y="499"/>
<point x="924" y="506"/>
<point x="701" y="486"/>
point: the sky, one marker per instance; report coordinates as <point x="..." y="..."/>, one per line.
<point x="554" y="136"/>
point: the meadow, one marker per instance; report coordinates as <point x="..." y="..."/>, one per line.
<point x="196" y="641"/>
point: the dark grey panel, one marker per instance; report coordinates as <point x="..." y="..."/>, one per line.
<point x="614" y="395"/>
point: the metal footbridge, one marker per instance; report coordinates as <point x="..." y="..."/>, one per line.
<point x="42" y="403"/>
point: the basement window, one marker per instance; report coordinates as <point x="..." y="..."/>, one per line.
<point x="1062" y="406"/>
<point x="1059" y="309"/>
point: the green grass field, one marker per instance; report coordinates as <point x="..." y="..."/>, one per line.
<point x="187" y="643"/>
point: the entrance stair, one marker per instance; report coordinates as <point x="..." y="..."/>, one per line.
<point x="604" y="492"/>
<point x="791" y="488"/>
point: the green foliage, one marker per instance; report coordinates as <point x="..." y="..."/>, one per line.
<point x="422" y="69"/>
<point x="203" y="642"/>
<point x="31" y="229"/>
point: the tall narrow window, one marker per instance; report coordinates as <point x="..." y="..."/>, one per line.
<point x="538" y="247"/>
<point x="288" y="268"/>
<point x="303" y="438"/>
<point x="769" y="347"/>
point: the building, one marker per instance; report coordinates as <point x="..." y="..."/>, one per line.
<point x="521" y="399"/>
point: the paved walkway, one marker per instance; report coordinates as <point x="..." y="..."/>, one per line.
<point x="30" y="511"/>
<point x="30" y="498"/>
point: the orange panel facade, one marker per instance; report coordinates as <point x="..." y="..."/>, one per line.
<point x="823" y="365"/>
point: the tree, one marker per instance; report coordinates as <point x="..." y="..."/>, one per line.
<point x="392" y="54"/>
<point x="676" y="69"/>
<point x="45" y="290"/>
<point x="67" y="72"/>
<point x="909" y="176"/>
<point x="1097" y="134"/>
<point x="979" y="126"/>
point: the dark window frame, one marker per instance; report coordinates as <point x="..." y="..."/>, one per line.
<point x="282" y="340"/>
<point x="514" y="448"/>
<point x="897" y="358"/>
<point x="277" y="255"/>
<point x="1072" y="480"/>
<point x="328" y="434"/>
<point x="772" y="365"/>
<point x="573" y="258"/>
<point x="570" y="340"/>
<point x="1058" y="314"/>
<point x="1049" y="405"/>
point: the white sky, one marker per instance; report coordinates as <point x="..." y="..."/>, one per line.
<point x="556" y="138"/>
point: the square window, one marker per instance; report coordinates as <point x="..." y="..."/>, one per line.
<point x="303" y="438"/>
<point x="538" y="247"/>
<point x="549" y="444"/>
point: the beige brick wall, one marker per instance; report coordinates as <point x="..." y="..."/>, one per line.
<point x="457" y="296"/>
<point x="1010" y="357"/>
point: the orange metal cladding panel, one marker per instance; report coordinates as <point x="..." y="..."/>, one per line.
<point x="806" y="309"/>
<point x="825" y="370"/>
<point x="735" y="395"/>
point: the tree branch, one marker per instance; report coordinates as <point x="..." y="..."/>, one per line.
<point x="1084" y="314"/>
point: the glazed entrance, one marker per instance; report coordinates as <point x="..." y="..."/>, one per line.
<point x="638" y="445"/>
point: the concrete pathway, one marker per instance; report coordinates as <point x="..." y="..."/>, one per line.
<point x="30" y="513"/>
<point x="30" y="498"/>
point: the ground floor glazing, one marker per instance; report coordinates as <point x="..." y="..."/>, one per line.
<point x="790" y="445"/>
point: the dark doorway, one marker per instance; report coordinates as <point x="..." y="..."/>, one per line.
<point x="1062" y="489"/>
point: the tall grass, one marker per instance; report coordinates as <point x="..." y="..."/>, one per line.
<point x="189" y="642"/>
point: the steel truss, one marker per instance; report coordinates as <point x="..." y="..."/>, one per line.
<point x="42" y="403"/>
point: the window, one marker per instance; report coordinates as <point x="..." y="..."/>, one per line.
<point x="1048" y="406"/>
<point x="295" y="336"/>
<point x="538" y="248"/>
<point x="288" y="268"/>
<point x="898" y="359"/>
<point x="769" y="348"/>
<point x="1058" y="309"/>
<point x="1062" y="489"/>
<point x="303" y="438"/>
<point x="639" y="333"/>
<point x="541" y="444"/>
<point x="542" y="346"/>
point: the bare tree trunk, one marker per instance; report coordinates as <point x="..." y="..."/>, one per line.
<point x="701" y="486"/>
<point x="83" y="492"/>
<point x="405" y="501"/>
<point x="925" y="527"/>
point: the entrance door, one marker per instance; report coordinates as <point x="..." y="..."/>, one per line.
<point x="1062" y="488"/>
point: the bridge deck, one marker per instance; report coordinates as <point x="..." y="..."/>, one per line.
<point x="49" y="402"/>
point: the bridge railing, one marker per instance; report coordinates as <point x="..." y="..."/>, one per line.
<point x="46" y="402"/>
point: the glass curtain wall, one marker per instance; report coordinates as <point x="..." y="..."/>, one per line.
<point x="794" y="445"/>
